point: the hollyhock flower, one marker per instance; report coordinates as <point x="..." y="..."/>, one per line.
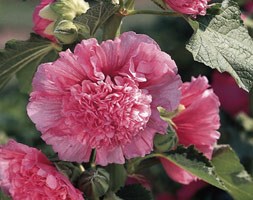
<point x="44" y="23"/>
<point x="196" y="125"/>
<point x="104" y="97"/>
<point x="189" y="7"/>
<point x="26" y="173"/>
<point x="233" y="99"/>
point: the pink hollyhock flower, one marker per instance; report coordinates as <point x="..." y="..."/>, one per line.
<point x="196" y="125"/>
<point x="233" y="99"/>
<point x="189" y="7"/>
<point x="105" y="97"/>
<point x="26" y="173"/>
<point x="43" y="25"/>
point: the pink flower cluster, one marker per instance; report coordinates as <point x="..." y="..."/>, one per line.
<point x="25" y="173"/>
<point x="189" y="7"/>
<point x="105" y="97"/>
<point x="197" y="124"/>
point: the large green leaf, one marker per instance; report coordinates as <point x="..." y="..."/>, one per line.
<point x="223" y="171"/>
<point x="228" y="168"/>
<point x="96" y="16"/>
<point x="25" y="55"/>
<point x="223" y="43"/>
<point x="194" y="162"/>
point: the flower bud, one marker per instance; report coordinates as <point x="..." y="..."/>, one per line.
<point x="94" y="182"/>
<point x="68" y="169"/>
<point x="165" y="142"/>
<point x="44" y="19"/>
<point x="66" y="32"/>
<point x="69" y="9"/>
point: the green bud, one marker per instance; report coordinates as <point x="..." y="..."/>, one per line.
<point x="66" y="32"/>
<point x="69" y="9"/>
<point x="70" y="170"/>
<point x="165" y="142"/>
<point x="94" y="182"/>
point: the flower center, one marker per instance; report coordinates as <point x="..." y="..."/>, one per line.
<point x="109" y="112"/>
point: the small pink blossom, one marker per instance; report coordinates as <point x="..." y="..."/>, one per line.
<point x="233" y="99"/>
<point x="189" y="7"/>
<point x="26" y="173"/>
<point x="105" y="97"/>
<point x="43" y="26"/>
<point x="196" y="125"/>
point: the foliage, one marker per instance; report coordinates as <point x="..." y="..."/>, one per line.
<point x="219" y="40"/>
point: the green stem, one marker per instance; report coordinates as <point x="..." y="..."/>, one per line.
<point x="153" y="12"/>
<point x="93" y="159"/>
<point x="112" y="27"/>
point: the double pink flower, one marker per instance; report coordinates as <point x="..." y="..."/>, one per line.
<point x="26" y="173"/>
<point x="105" y="97"/>
<point x="189" y="7"/>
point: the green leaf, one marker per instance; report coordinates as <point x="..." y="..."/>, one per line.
<point x="118" y="176"/>
<point x="195" y="163"/>
<point x="96" y="16"/>
<point x="25" y="56"/>
<point x="228" y="168"/>
<point x="223" y="43"/>
<point x="134" y="192"/>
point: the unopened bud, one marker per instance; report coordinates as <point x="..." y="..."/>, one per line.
<point x="69" y="9"/>
<point x="165" y="142"/>
<point x="94" y="182"/>
<point x="66" y="32"/>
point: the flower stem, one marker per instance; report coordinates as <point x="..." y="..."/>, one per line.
<point x="153" y="12"/>
<point x="112" y="27"/>
<point x="93" y="158"/>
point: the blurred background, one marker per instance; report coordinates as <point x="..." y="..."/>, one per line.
<point x="171" y="34"/>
